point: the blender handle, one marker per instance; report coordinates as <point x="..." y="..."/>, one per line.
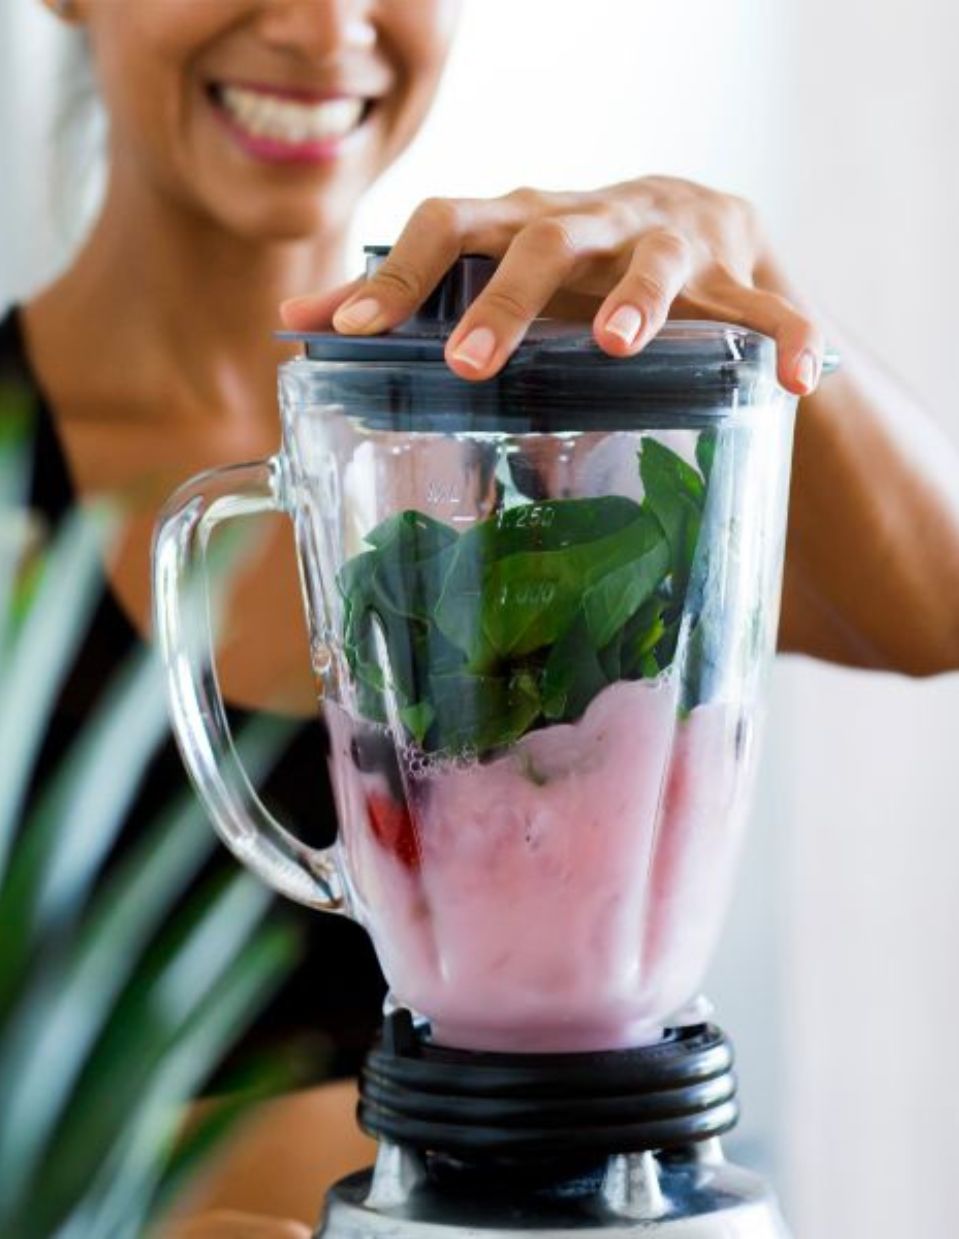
<point x="181" y="616"/>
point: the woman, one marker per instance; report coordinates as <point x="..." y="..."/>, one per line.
<point x="242" y="134"/>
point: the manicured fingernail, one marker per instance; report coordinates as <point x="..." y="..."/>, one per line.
<point x="625" y="323"/>
<point x="358" y="315"/>
<point x="807" y="370"/>
<point x="476" y="349"/>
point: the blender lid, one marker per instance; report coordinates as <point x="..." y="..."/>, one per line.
<point x="691" y="374"/>
<point x="689" y="353"/>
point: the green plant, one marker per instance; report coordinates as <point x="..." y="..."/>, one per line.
<point x="520" y="621"/>
<point x="116" y="1002"/>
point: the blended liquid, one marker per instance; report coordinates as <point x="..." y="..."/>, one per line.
<point x="564" y="896"/>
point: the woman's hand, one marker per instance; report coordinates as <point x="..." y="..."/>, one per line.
<point x="628" y="256"/>
<point x="228" y="1224"/>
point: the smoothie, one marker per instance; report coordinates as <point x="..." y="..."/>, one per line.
<point x="562" y="896"/>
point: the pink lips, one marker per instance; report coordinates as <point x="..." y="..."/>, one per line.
<point x="276" y="150"/>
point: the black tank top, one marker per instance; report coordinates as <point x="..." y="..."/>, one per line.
<point x="327" y="1012"/>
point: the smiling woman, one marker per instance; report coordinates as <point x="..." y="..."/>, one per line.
<point x="241" y="136"/>
<point x="301" y="145"/>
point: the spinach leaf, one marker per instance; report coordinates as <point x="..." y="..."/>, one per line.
<point x="573" y="675"/>
<point x="619" y="594"/>
<point x="530" y="598"/>
<point x="417" y="719"/>
<point x="482" y="713"/>
<point x="706" y="452"/>
<point x="411" y="535"/>
<point x="522" y="620"/>
<point x="675" y="494"/>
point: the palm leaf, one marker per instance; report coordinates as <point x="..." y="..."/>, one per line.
<point x="116" y="999"/>
<point x="126" y="1170"/>
<point x="44" y="646"/>
<point x="260" y="1080"/>
<point x="15" y="418"/>
<point x="135" y="1176"/>
<point x="75" y="989"/>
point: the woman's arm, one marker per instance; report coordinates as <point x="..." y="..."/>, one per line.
<point x="276" y="1169"/>
<point x="872" y="569"/>
<point x="872" y="563"/>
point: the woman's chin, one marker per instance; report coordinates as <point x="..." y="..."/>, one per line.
<point x="280" y="218"/>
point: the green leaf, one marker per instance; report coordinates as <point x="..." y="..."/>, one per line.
<point x="530" y="598"/>
<point x="526" y="616"/>
<point x="355" y="581"/>
<point x="16" y="418"/>
<point x="706" y="452"/>
<point x="219" y="1118"/>
<point x="32" y="669"/>
<point x="675" y="494"/>
<point x="77" y="818"/>
<point x="475" y="712"/>
<point x="411" y="535"/>
<point x="613" y="600"/>
<point x="574" y="674"/>
<point x="458" y="613"/>
<point x="164" y="999"/>
<point x="418" y="719"/>
<point x="73" y="989"/>
<point x="129" y="1174"/>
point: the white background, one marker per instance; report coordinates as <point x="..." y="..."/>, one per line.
<point x="838" y="117"/>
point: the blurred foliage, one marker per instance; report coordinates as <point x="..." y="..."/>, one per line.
<point x="118" y="996"/>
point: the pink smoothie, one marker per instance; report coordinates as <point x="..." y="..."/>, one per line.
<point x="564" y="896"/>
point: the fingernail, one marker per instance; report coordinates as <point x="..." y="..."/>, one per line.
<point x="625" y="323"/>
<point x="476" y="349"/>
<point x="807" y="370"/>
<point x="358" y="315"/>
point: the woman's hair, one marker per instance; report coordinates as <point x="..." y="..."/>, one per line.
<point x="79" y="142"/>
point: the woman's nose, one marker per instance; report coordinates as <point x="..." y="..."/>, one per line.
<point x="317" y="27"/>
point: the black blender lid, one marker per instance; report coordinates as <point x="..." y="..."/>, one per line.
<point x="692" y="374"/>
<point x="694" y="351"/>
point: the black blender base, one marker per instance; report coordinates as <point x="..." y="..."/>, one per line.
<point x="623" y="1142"/>
<point x="515" y="1112"/>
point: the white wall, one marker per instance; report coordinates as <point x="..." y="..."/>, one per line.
<point x="837" y="118"/>
<point x="27" y="99"/>
<point x="566" y="93"/>
<point x="874" y="861"/>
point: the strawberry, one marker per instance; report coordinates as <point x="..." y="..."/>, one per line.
<point x="393" y="828"/>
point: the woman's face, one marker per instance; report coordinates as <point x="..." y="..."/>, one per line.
<point x="267" y="117"/>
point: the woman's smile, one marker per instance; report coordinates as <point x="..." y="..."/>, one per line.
<point x="282" y="124"/>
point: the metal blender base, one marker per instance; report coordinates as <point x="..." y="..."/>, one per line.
<point x="696" y="1197"/>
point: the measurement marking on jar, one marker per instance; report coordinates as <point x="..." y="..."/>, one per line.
<point x="442" y="492"/>
<point x="529" y="516"/>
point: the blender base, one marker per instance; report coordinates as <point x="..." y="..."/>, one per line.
<point x="696" y="1196"/>
<point x="620" y="1142"/>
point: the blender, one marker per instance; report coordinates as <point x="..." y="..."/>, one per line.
<point x="542" y="609"/>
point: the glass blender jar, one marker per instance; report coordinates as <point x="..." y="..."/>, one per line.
<point x="542" y="609"/>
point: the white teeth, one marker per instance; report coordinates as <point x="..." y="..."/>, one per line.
<point x="287" y="120"/>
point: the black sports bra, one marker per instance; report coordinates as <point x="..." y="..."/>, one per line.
<point x="328" y="1010"/>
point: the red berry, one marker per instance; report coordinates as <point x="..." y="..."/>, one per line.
<point x="393" y="827"/>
